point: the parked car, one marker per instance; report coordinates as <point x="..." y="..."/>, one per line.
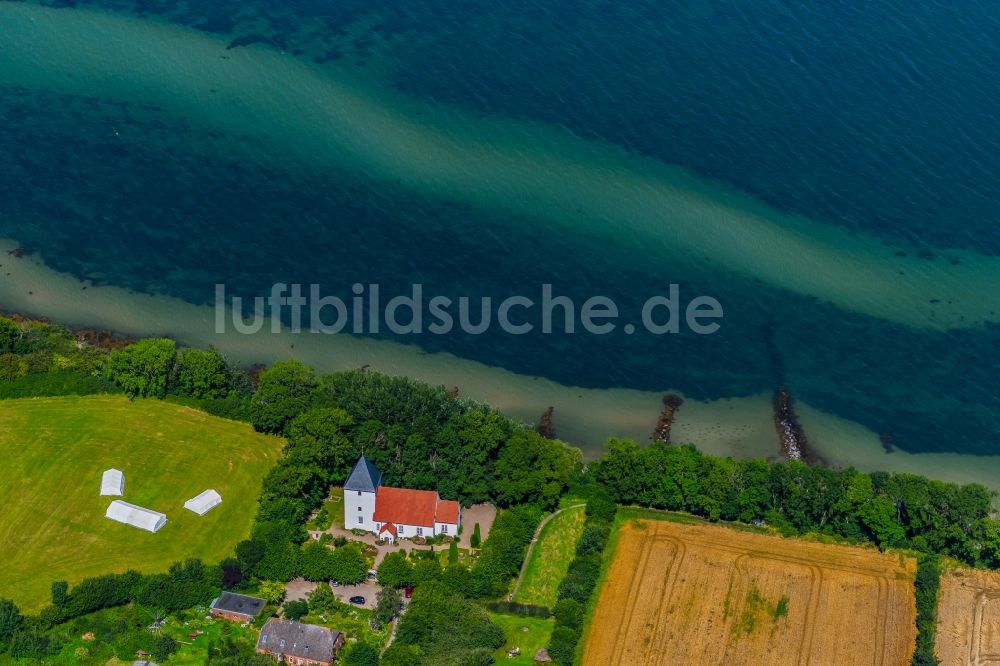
<point x="372" y="574"/>
<point x="358" y="601"/>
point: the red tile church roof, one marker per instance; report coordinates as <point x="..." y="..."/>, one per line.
<point x="447" y="512"/>
<point x="412" y="507"/>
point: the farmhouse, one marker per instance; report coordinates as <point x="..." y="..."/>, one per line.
<point x="236" y="607"/>
<point x="113" y="482"/>
<point x="204" y="502"/>
<point x="299" y="644"/>
<point x="395" y="512"/>
<point x="136" y="516"/>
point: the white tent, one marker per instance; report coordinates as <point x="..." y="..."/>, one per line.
<point x="113" y="482"/>
<point x="136" y="516"/>
<point x="204" y="502"/>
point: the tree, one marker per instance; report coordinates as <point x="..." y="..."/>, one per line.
<point x="476" y="538"/>
<point x="388" y="603"/>
<point x="348" y="565"/>
<point x="201" y="373"/>
<point x="60" y="593"/>
<point x="272" y="591"/>
<point x="361" y="654"/>
<point x="398" y="654"/>
<point x="320" y="437"/>
<point x="533" y="470"/>
<point x="395" y="571"/>
<point x="11" y="620"/>
<point x="453" y="553"/>
<point x="316" y="562"/>
<point x="562" y="644"/>
<point x="249" y="553"/>
<point x="282" y="394"/>
<point x="142" y="369"/>
<point x="10" y="333"/>
<point x="295" y="610"/>
<point x="322" y="599"/>
<point x="879" y="516"/>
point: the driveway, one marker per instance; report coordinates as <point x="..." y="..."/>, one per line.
<point x="484" y="514"/>
<point x="301" y="588"/>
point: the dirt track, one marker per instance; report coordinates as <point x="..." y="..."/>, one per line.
<point x="968" y="631"/>
<point x="692" y="594"/>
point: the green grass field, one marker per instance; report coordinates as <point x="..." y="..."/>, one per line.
<point x="54" y="450"/>
<point x="537" y="636"/>
<point x="550" y="558"/>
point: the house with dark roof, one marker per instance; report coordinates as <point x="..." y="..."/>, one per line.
<point x="236" y="607"/>
<point x="392" y="513"/>
<point x="299" y="644"/>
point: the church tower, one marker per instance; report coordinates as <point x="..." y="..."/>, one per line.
<point x="359" y="496"/>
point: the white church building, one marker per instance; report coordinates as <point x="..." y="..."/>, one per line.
<point x="392" y="513"/>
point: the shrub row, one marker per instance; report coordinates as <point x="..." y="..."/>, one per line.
<point x="577" y="587"/>
<point x="926" y="587"/>
<point x="514" y="608"/>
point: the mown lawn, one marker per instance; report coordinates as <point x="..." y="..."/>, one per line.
<point x="537" y="635"/>
<point x="550" y="558"/>
<point x="52" y="526"/>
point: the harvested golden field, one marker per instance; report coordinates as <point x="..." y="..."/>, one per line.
<point x="699" y="594"/>
<point x="968" y="631"/>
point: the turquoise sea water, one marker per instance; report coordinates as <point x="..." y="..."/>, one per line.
<point x="877" y="120"/>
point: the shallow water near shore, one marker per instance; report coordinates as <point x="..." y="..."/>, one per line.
<point x="148" y="156"/>
<point x="586" y="417"/>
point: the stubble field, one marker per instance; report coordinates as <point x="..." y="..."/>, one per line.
<point x="968" y="631"/>
<point x="698" y="594"/>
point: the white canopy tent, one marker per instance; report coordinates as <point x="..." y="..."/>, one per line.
<point x="113" y="482"/>
<point x="136" y="516"/>
<point x="204" y="502"/>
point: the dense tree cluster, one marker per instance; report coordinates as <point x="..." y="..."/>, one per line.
<point x="42" y="359"/>
<point x="890" y="510"/>
<point x="442" y="628"/>
<point x="578" y="585"/>
<point x="419" y="437"/>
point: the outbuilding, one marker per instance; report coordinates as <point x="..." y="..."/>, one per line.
<point x="136" y="516"/>
<point x="237" y="607"/>
<point x="113" y="482"/>
<point x="204" y="502"/>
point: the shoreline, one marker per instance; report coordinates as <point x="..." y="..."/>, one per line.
<point x="739" y="427"/>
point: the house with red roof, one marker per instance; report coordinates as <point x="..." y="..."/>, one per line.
<point x="394" y="513"/>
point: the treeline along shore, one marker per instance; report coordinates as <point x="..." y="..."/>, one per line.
<point x="426" y="437"/>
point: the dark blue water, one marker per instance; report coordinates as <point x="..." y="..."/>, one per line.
<point x="879" y="117"/>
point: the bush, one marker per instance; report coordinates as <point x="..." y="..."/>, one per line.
<point x="57" y="383"/>
<point x="12" y="367"/>
<point x="361" y="654"/>
<point x="562" y="645"/>
<point x="295" y="610"/>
